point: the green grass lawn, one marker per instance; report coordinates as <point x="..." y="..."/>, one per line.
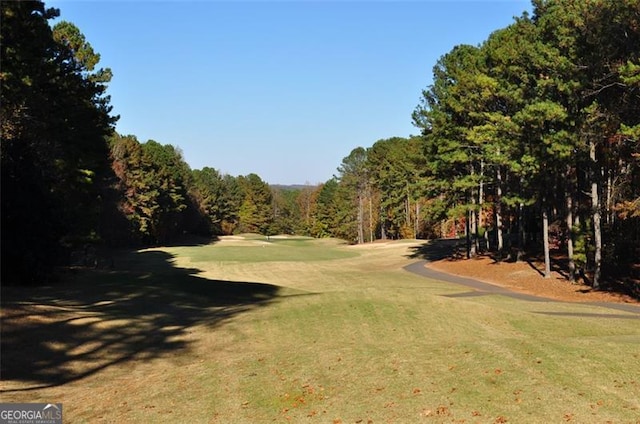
<point x="315" y="331"/>
<point x="260" y="249"/>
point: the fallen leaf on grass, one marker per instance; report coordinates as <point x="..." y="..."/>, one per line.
<point x="443" y="410"/>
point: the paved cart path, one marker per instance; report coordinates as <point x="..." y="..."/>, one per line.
<point x="439" y="250"/>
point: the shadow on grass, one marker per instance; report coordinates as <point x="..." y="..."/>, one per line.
<point x="435" y="250"/>
<point x="97" y="319"/>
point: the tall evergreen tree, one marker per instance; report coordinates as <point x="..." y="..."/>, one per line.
<point x="255" y="214"/>
<point x="326" y="216"/>
<point x="155" y="184"/>
<point x="542" y="121"/>
<point x="55" y="117"/>
<point x="354" y="181"/>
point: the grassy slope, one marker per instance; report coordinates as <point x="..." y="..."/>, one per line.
<point x="348" y="336"/>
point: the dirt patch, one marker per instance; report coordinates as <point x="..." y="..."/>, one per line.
<point x="527" y="278"/>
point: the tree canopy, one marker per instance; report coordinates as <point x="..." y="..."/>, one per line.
<point x="528" y="142"/>
<point x="55" y="117"/>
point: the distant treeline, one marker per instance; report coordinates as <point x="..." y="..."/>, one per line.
<point x="528" y="144"/>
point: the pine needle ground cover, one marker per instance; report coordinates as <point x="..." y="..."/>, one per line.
<point x="235" y="332"/>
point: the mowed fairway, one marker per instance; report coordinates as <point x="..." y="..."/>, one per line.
<point x="297" y="330"/>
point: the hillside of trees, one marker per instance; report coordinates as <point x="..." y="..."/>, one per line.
<point x="528" y="144"/>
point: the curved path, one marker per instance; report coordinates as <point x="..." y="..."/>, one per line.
<point x="435" y="251"/>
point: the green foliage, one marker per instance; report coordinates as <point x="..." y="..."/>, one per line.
<point x="581" y="245"/>
<point x="354" y="188"/>
<point x="325" y="213"/>
<point x="67" y="34"/>
<point x="541" y="112"/>
<point x="255" y="214"/>
<point x="55" y="117"/>
<point x="287" y="218"/>
<point x="532" y="119"/>
<point x="154" y="181"/>
<point x="397" y="172"/>
<point x="218" y="198"/>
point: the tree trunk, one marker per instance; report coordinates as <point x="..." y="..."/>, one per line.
<point x="480" y="202"/>
<point x="383" y="224"/>
<point x="572" y="264"/>
<point x="545" y="236"/>
<point x="360" y="220"/>
<point x="597" y="227"/>
<point x="577" y="223"/>
<point x="370" y="219"/>
<point x="498" y="212"/>
<point x="416" y="228"/>
<point x="607" y="196"/>
<point x="522" y="237"/>
<point x="473" y="234"/>
<point x="407" y="212"/>
<point x="467" y="232"/>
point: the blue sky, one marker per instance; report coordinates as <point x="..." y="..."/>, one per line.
<point x="283" y="89"/>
